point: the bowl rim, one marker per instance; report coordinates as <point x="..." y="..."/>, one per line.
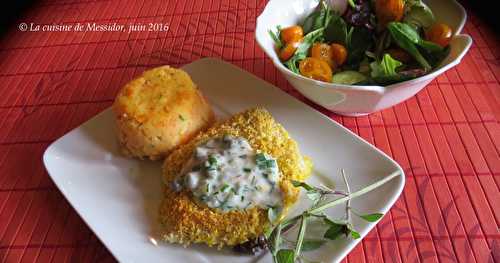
<point x="373" y="88"/>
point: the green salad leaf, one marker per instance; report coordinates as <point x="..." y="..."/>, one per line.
<point x="385" y="68"/>
<point x="275" y="36"/>
<point x="367" y="45"/>
<point x="385" y="72"/>
<point x="404" y="31"/>
<point x="418" y="14"/>
<point x="436" y="57"/>
<point x="303" y="49"/>
<point x="406" y="38"/>
<point x="412" y="35"/>
<point x="336" y="30"/>
<point x="359" y="40"/>
<point x="307" y="42"/>
<point x="318" y="18"/>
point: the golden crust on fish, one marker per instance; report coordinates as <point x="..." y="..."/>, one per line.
<point x="158" y="111"/>
<point x="185" y="221"/>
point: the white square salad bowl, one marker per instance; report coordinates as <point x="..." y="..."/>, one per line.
<point x="354" y="100"/>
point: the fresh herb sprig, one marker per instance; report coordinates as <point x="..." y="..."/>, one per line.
<point x="335" y="227"/>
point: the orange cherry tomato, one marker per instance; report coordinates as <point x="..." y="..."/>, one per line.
<point x="288" y="50"/>
<point x="440" y="34"/>
<point x="291" y="34"/>
<point x="339" y="54"/>
<point x="315" y="68"/>
<point x="323" y="52"/>
<point x="389" y="10"/>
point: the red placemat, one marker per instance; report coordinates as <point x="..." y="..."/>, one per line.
<point x="447" y="138"/>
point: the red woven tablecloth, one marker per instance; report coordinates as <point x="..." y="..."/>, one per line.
<point x="447" y="138"/>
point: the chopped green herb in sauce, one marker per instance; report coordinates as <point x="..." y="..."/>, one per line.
<point x="227" y="174"/>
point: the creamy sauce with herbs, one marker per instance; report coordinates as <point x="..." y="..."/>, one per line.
<point x="226" y="173"/>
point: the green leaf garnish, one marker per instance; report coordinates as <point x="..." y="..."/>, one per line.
<point x="300" y="236"/>
<point x="285" y="256"/>
<point x="334" y="232"/>
<point x="312" y="244"/>
<point x="372" y="217"/>
<point x="336" y="228"/>
<point x="355" y="234"/>
<point x="303" y="185"/>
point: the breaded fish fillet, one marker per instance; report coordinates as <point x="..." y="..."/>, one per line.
<point x="185" y="221"/>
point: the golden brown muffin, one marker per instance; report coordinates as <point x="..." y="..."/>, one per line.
<point x="185" y="221"/>
<point x="158" y="111"/>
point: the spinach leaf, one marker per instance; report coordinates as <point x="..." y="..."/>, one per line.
<point x="430" y="46"/>
<point x="385" y="68"/>
<point x="318" y="18"/>
<point x="406" y="38"/>
<point x="336" y="30"/>
<point x="418" y="14"/>
<point x="359" y="40"/>
<point x="435" y="58"/>
<point x="405" y="31"/>
<point x="310" y="21"/>
<point x="412" y="35"/>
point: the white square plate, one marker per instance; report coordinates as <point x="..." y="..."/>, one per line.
<point x="118" y="197"/>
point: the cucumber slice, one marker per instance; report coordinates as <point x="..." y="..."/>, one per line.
<point x="348" y="77"/>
